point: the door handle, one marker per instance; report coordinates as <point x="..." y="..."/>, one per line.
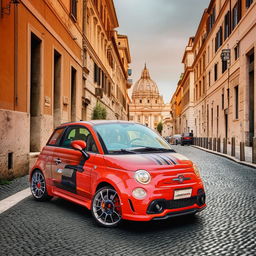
<point x="57" y="161"/>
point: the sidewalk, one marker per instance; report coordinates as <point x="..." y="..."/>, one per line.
<point x="13" y="187"/>
<point x="248" y="154"/>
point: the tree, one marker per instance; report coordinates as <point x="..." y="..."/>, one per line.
<point x="160" y="127"/>
<point x="99" y="112"/>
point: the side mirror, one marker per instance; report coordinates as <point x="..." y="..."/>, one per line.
<point x="80" y="145"/>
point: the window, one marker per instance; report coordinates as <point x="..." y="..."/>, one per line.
<point x="73" y="9"/>
<point x="236" y="51"/>
<point x="218" y="39"/>
<point x="236" y="14"/>
<point x="148" y="101"/>
<point x="140" y="101"/>
<point x="95" y="73"/>
<point x="209" y="78"/>
<point x="236" y="102"/>
<point x="227" y="25"/>
<point x="211" y="20"/>
<point x="216" y="72"/>
<point x="55" y="138"/>
<point x="248" y="3"/>
<point x="79" y="133"/>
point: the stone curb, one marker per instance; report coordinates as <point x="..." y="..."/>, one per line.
<point x="227" y="156"/>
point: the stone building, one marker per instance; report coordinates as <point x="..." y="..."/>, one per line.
<point x="56" y="59"/>
<point x="148" y="106"/>
<point x="106" y="62"/>
<point x="222" y="93"/>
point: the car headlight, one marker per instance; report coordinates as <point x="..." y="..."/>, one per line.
<point x="139" y="193"/>
<point x="142" y="177"/>
<point x="196" y="170"/>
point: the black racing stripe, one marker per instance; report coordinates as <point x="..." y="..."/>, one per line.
<point x="152" y="158"/>
<point x="162" y="157"/>
<point x="163" y="162"/>
<point x="171" y="160"/>
<point x="158" y="161"/>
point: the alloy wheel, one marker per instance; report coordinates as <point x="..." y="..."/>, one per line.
<point x="106" y="207"/>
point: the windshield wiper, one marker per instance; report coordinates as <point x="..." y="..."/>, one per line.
<point x="121" y="151"/>
<point x="155" y="149"/>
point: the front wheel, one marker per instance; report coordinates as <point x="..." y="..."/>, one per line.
<point x="38" y="186"/>
<point x="106" y="207"/>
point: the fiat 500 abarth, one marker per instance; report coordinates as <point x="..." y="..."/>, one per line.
<point x="118" y="170"/>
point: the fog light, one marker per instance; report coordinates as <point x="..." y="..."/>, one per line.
<point x="139" y="193"/>
<point x="158" y="208"/>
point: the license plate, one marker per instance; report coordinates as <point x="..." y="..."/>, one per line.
<point x="182" y="193"/>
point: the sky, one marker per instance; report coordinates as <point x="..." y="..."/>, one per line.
<point x="158" y="32"/>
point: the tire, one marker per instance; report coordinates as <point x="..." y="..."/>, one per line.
<point x="106" y="207"/>
<point x="38" y="187"/>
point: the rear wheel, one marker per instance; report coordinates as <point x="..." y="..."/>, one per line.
<point x="38" y="186"/>
<point x="106" y="207"/>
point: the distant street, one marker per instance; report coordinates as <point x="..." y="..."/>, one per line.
<point x="226" y="227"/>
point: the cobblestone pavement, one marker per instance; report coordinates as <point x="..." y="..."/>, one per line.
<point x="226" y="227"/>
<point x="15" y="186"/>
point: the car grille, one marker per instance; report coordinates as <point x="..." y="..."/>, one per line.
<point x="175" y="204"/>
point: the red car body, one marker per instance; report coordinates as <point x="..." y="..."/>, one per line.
<point x="169" y="172"/>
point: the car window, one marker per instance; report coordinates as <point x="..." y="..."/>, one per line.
<point x="56" y="137"/>
<point x="79" y="133"/>
<point x="120" y="136"/>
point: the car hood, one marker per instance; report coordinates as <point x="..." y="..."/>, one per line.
<point x="150" y="161"/>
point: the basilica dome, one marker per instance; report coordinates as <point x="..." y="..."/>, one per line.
<point x="145" y="86"/>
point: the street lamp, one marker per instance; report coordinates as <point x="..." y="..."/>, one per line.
<point x="225" y="56"/>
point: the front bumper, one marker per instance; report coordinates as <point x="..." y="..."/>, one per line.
<point x="179" y="213"/>
<point x="158" y="209"/>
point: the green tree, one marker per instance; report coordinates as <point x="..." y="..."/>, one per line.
<point x="160" y="127"/>
<point x="99" y="112"/>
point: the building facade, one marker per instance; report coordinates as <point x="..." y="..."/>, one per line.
<point x="222" y="93"/>
<point x="147" y="105"/>
<point x="47" y="66"/>
<point x="106" y="61"/>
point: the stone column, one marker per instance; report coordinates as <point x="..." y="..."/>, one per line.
<point x="225" y="150"/>
<point x="242" y="151"/>
<point x="254" y="151"/>
<point x="233" y="146"/>
<point x="218" y="145"/>
<point x="214" y="144"/>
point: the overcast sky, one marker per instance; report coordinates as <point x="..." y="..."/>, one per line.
<point x="158" y="31"/>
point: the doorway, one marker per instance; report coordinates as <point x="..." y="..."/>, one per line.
<point x="73" y="94"/>
<point x="57" y="89"/>
<point x="35" y="92"/>
<point x="251" y="97"/>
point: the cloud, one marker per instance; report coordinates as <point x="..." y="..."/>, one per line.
<point x="158" y="31"/>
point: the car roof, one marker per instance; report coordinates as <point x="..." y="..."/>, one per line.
<point x="95" y="122"/>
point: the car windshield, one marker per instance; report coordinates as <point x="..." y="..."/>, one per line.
<point x="187" y="135"/>
<point x="128" y="138"/>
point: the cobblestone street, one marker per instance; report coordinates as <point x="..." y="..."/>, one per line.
<point x="226" y="227"/>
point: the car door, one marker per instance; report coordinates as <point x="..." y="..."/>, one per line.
<point x="47" y="153"/>
<point x="72" y="181"/>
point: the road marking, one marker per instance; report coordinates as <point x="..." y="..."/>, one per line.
<point x="10" y="201"/>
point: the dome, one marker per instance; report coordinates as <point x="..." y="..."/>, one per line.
<point x="145" y="86"/>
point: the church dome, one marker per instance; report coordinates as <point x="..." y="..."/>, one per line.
<point x="145" y="86"/>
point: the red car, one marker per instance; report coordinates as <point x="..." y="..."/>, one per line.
<point x="118" y="170"/>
